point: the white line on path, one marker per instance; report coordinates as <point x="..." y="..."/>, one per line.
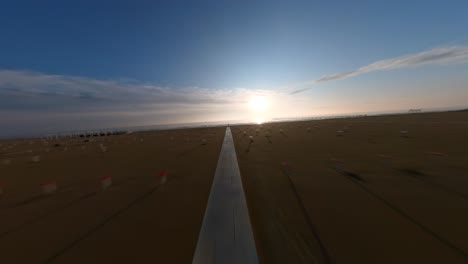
<point x="226" y="235"/>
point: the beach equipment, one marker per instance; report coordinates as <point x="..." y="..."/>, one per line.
<point x="106" y="182"/>
<point x="49" y="187"/>
<point x="163" y="176"/>
<point x="103" y="148"/>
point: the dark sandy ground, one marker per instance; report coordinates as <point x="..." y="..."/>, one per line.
<point x="135" y="221"/>
<point x="368" y="194"/>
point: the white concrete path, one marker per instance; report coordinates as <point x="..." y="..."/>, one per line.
<point x="226" y="235"/>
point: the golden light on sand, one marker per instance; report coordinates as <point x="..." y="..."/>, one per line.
<point x="258" y="103"/>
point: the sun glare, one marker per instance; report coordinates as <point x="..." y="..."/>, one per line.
<point x="259" y="121"/>
<point x="258" y="103"/>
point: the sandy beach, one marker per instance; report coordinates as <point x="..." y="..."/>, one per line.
<point x="134" y="220"/>
<point x="358" y="190"/>
<point x="386" y="189"/>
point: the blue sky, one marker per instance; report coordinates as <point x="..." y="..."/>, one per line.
<point x="78" y="52"/>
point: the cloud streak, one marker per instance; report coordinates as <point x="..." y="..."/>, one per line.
<point x="21" y="90"/>
<point x="46" y="102"/>
<point x="438" y="56"/>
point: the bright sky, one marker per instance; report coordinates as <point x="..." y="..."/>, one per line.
<point x="71" y="65"/>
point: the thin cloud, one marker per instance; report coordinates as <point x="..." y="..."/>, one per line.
<point x="22" y="89"/>
<point x="40" y="103"/>
<point x="438" y="56"/>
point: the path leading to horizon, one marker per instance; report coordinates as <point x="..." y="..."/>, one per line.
<point x="226" y="234"/>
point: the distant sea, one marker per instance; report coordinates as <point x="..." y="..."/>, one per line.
<point x="27" y="135"/>
<point x="214" y="124"/>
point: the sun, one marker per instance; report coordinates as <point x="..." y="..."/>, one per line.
<point x="258" y="103"/>
<point x="259" y="120"/>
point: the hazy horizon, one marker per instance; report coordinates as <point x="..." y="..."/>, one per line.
<point x="5" y="135"/>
